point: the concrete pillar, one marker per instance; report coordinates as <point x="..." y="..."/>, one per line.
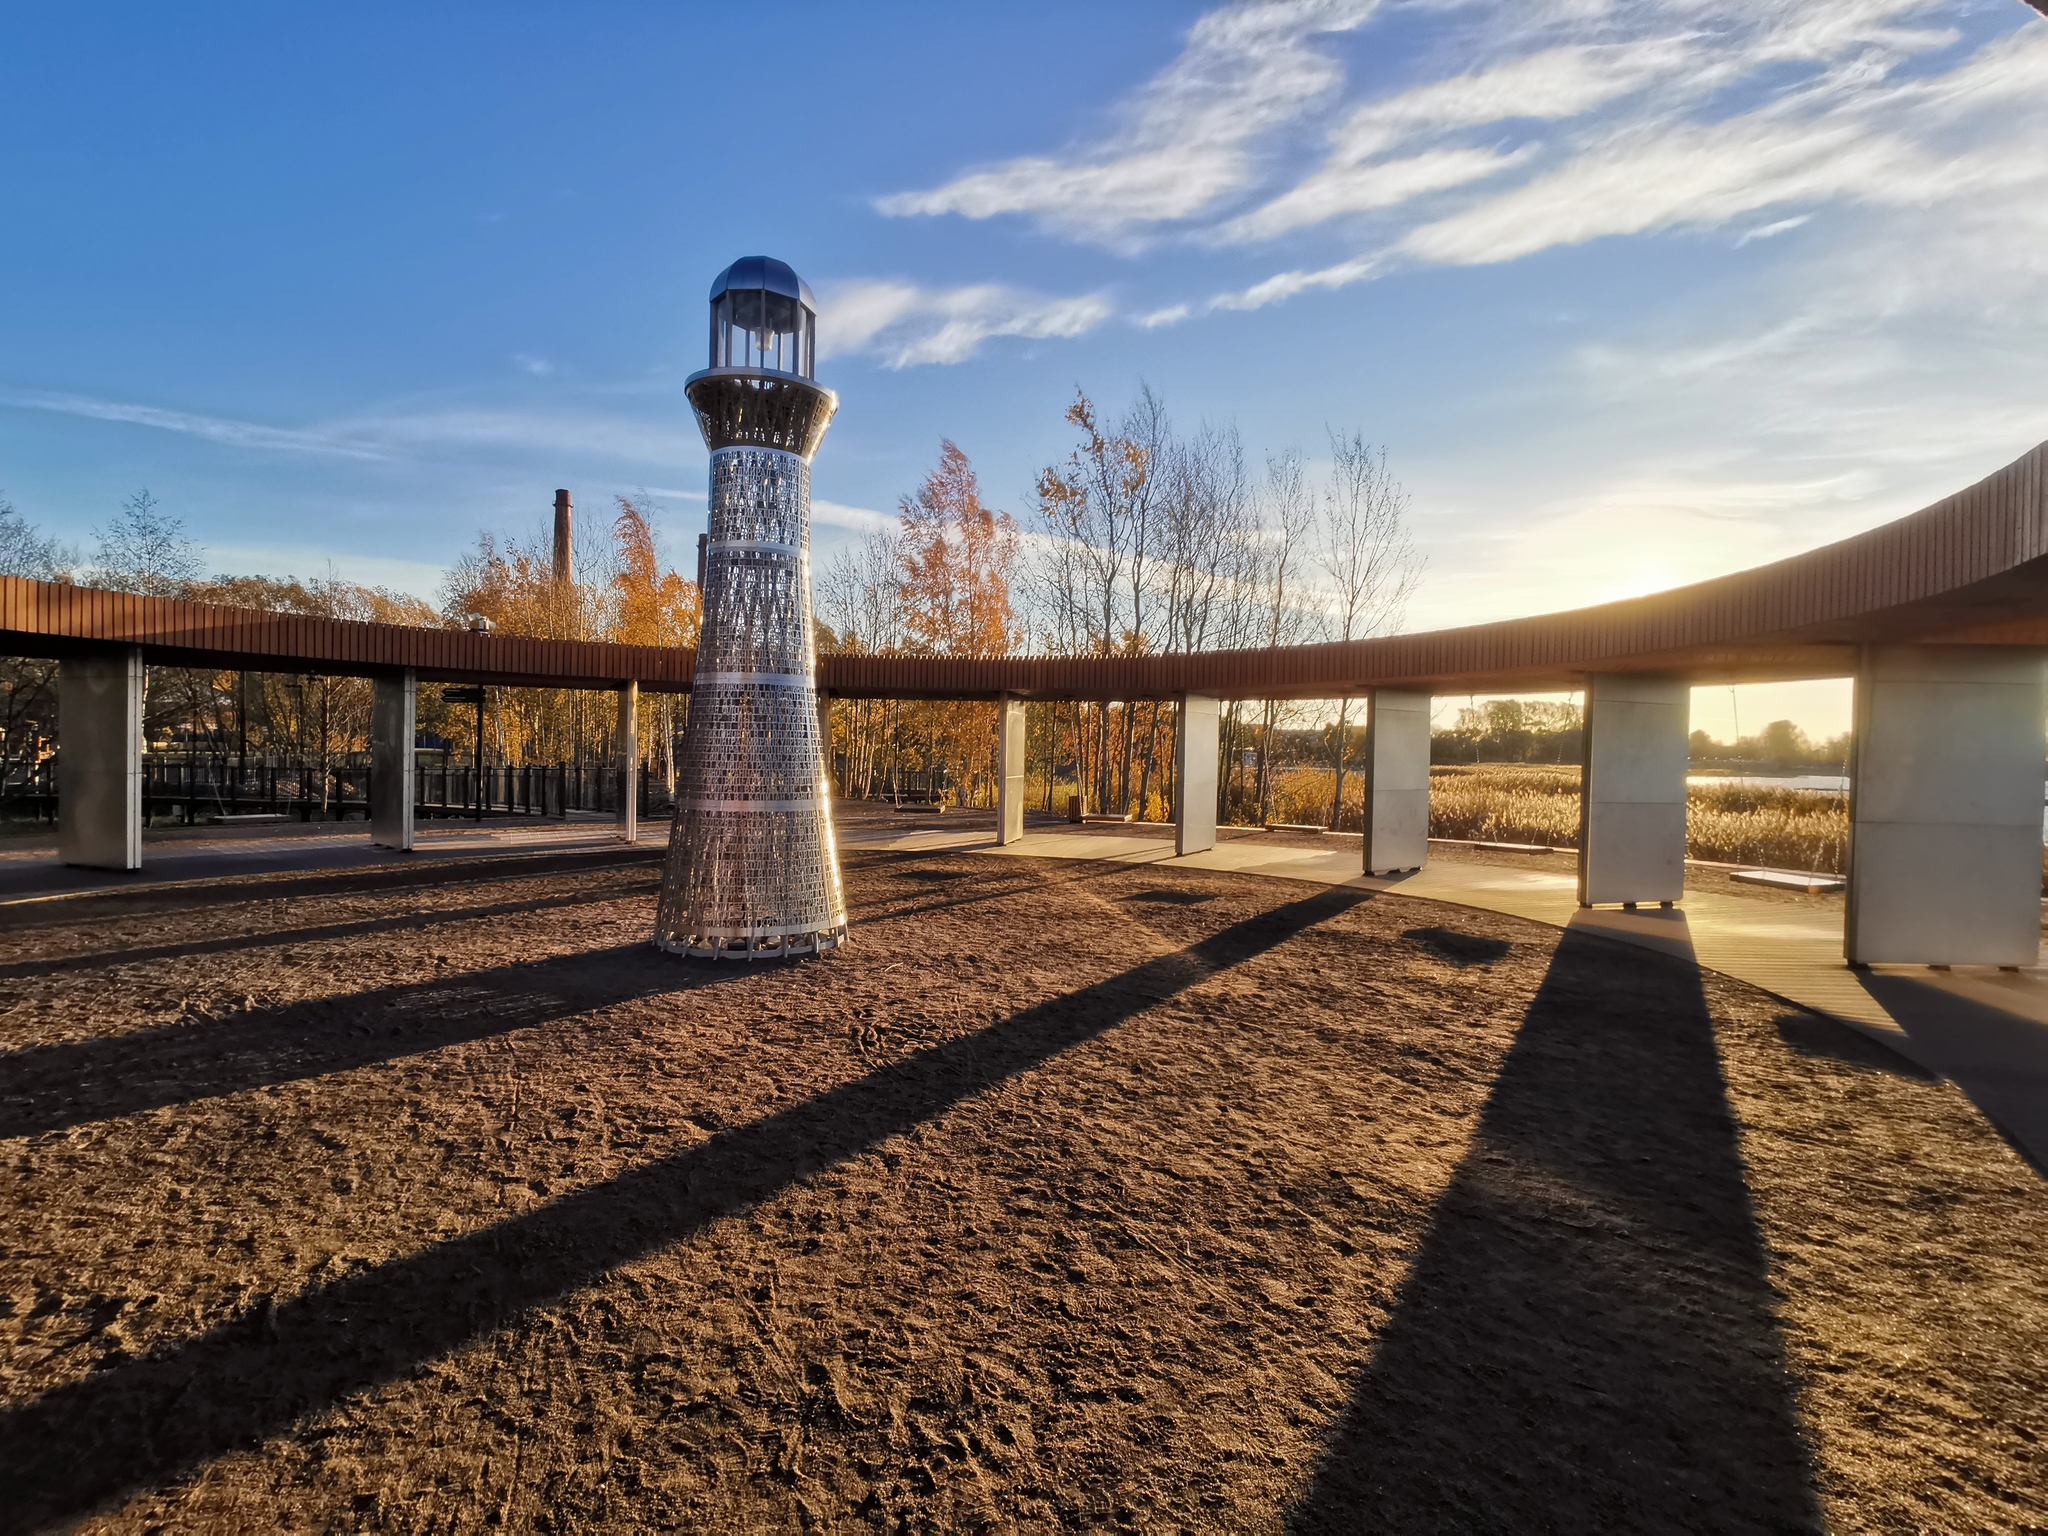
<point x="629" y="763"/>
<point x="99" y="759"/>
<point x="1194" y="773"/>
<point x="1396" y="781"/>
<point x="394" y="718"/>
<point x="1945" y="806"/>
<point x="1009" y="771"/>
<point x="1632" y="789"/>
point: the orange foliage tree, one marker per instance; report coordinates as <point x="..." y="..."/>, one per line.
<point x="619" y="591"/>
<point x="937" y="585"/>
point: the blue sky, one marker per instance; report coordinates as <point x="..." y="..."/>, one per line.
<point x="1634" y="294"/>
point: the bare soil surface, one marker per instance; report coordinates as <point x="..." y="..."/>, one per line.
<point x="1067" y="1196"/>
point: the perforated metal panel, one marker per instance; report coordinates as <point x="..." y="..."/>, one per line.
<point x="753" y="871"/>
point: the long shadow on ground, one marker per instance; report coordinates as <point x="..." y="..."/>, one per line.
<point x="53" y="1087"/>
<point x="278" y="938"/>
<point x="135" y="1425"/>
<point x="1587" y="1339"/>
<point x="1996" y="1056"/>
<point x="121" y="905"/>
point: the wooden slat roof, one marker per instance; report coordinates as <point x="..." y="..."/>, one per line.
<point x="1971" y="569"/>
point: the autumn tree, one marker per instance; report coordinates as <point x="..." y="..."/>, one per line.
<point x="956" y="554"/>
<point x="653" y="605"/>
<point x="619" y="590"/>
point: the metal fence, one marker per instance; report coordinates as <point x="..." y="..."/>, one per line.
<point x="195" y="790"/>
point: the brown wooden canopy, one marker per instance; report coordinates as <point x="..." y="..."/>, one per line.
<point x="1971" y="570"/>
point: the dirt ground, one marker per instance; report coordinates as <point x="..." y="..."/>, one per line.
<point x="1067" y="1196"/>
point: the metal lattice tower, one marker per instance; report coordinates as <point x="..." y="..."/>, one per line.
<point x="753" y="871"/>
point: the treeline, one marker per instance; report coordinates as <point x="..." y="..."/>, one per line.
<point x="1779" y="745"/>
<point x="1144" y="540"/>
<point x="621" y="590"/>
<point x="1512" y="731"/>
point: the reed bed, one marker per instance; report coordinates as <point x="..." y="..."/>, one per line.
<point x="1724" y="823"/>
<point x="1754" y="824"/>
<point x="1505" y="804"/>
<point x="1518" y="803"/>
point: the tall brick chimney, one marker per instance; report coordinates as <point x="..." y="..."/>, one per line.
<point x="564" y="571"/>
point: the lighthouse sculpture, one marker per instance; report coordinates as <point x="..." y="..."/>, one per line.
<point x="753" y="871"/>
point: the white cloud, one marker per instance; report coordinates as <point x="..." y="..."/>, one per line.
<point x="1192" y="135"/>
<point x="1375" y="184"/>
<point x="906" y="325"/>
<point x="408" y="434"/>
<point x="1172" y="314"/>
<point x="1772" y="230"/>
<point x="1286" y="285"/>
<point x="1848" y="130"/>
<point x="1698" y="176"/>
<point x="860" y="519"/>
<point x="1553" y="84"/>
<point x="216" y="429"/>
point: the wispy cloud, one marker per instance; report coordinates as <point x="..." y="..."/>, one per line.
<point x="1285" y="285"/>
<point x="860" y="519"/>
<point x="1191" y="136"/>
<point x="1359" y="175"/>
<point x="905" y="325"/>
<point x="1772" y="230"/>
<point x="215" y="429"/>
<point x="1578" y="122"/>
<point x="420" y="433"/>
<point x="1831" y="116"/>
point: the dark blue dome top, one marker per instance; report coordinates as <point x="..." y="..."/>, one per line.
<point x="764" y="274"/>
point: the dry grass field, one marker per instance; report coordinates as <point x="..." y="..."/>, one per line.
<point x="1725" y="823"/>
<point x="1068" y="1196"/>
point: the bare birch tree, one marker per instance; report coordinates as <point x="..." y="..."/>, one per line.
<point x="1367" y="554"/>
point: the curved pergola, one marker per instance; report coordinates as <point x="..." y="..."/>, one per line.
<point x="1941" y="618"/>
<point x="1972" y="569"/>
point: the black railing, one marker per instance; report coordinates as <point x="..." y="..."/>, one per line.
<point x="195" y="790"/>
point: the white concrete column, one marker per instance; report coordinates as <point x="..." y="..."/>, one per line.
<point x="99" y="759"/>
<point x="1945" y="806"/>
<point x="394" y="716"/>
<point x="1194" y="773"/>
<point x="1009" y="771"/>
<point x="1632" y="789"/>
<point x="1396" y="781"/>
<point x="629" y="763"/>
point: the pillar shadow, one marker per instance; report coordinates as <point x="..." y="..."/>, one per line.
<point x="1586" y="1340"/>
<point x="280" y="937"/>
<point x="132" y="1426"/>
<point x="1997" y="1057"/>
<point x="51" y="1087"/>
<point x="119" y="903"/>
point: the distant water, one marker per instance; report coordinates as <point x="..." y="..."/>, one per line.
<point x="1819" y="783"/>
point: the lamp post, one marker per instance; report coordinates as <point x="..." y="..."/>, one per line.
<point x="752" y="870"/>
